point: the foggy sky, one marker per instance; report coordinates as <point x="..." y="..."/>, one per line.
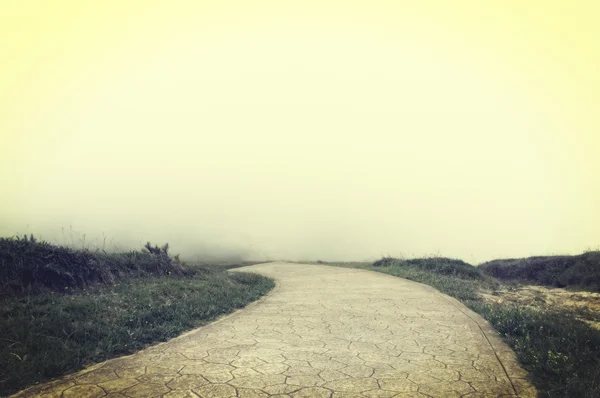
<point x="323" y="130"/>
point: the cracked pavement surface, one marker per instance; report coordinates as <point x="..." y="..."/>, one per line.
<point x="322" y="332"/>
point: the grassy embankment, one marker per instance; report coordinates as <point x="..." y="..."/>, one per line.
<point x="61" y="309"/>
<point x="573" y="272"/>
<point x="561" y="352"/>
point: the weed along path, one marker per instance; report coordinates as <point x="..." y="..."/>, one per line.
<point x="322" y="332"/>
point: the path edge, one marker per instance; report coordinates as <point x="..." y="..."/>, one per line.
<point x="41" y="387"/>
<point x="518" y="377"/>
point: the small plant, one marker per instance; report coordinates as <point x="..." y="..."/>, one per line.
<point x="158" y="251"/>
<point x="386" y="262"/>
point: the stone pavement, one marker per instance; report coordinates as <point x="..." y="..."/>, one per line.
<point x="322" y="332"/>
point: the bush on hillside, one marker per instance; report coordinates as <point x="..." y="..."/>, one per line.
<point x="28" y="264"/>
<point x="581" y="271"/>
<point x="441" y="265"/>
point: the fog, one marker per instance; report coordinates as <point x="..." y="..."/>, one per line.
<point x="331" y="131"/>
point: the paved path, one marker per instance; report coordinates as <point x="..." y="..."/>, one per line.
<point x="322" y="332"/>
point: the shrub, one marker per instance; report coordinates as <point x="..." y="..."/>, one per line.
<point x="27" y="264"/>
<point x="441" y="265"/>
<point x="582" y="271"/>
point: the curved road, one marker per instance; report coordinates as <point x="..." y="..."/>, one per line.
<point x="322" y="332"/>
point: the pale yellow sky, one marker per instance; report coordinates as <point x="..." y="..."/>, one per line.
<point x="304" y="130"/>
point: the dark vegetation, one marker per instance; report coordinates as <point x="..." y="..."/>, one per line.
<point x="439" y="265"/>
<point x="62" y="309"/>
<point x="581" y="271"/>
<point x="561" y="352"/>
<point x="29" y="265"/>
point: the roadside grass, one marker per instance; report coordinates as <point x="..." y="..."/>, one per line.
<point x="49" y="330"/>
<point x="561" y="352"/>
<point x="439" y="265"/>
<point x="462" y="287"/>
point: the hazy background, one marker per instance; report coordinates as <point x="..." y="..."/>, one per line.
<point x="303" y="130"/>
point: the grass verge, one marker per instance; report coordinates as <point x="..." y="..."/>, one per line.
<point x="561" y="352"/>
<point x="49" y="331"/>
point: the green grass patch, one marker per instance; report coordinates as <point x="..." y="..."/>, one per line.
<point x="62" y="309"/>
<point x="561" y="352"/>
<point x="51" y="334"/>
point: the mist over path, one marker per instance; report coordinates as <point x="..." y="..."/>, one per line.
<point x="322" y="332"/>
